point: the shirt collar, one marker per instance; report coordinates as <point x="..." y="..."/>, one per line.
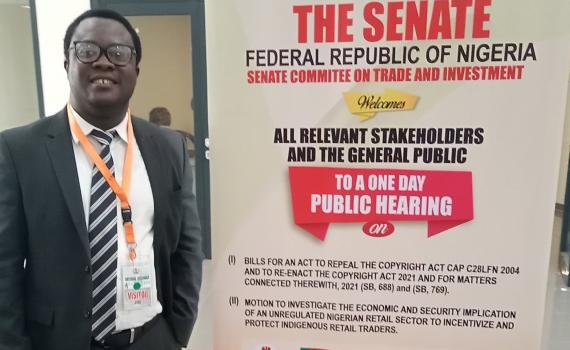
<point x="86" y="127"/>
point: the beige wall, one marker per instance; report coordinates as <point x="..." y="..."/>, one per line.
<point x="18" y="94"/>
<point x="166" y="68"/>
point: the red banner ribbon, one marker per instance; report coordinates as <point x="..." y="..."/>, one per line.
<point x="321" y="196"/>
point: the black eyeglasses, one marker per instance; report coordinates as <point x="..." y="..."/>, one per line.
<point x="89" y="52"/>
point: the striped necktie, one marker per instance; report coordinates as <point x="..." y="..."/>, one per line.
<point x="103" y="243"/>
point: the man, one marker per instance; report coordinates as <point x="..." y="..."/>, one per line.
<point x="99" y="236"/>
<point x="161" y="116"/>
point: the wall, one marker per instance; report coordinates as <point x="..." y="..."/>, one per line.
<point x="18" y="94"/>
<point x="53" y="18"/>
<point x="166" y="68"/>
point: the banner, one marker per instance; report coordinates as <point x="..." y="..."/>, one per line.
<point x="384" y="172"/>
<point x="324" y="195"/>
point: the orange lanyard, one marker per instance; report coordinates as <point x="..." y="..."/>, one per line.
<point x="121" y="192"/>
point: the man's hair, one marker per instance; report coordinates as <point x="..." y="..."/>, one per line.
<point x="102" y="13"/>
<point x="160" y="116"/>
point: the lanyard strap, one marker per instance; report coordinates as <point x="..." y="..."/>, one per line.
<point x="120" y="191"/>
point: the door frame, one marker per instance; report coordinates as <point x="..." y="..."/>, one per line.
<point x="195" y="9"/>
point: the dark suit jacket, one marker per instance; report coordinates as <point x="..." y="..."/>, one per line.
<point x="46" y="304"/>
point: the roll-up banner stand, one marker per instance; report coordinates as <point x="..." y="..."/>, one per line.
<point x="384" y="172"/>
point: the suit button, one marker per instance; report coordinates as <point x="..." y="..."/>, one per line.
<point x="86" y="269"/>
<point x="87" y="314"/>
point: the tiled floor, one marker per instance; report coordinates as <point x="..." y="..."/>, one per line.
<point x="557" y="322"/>
<point x="557" y="336"/>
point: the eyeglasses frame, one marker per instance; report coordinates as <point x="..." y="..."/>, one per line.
<point x="103" y="50"/>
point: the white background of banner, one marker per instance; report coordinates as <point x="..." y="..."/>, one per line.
<point x="514" y="178"/>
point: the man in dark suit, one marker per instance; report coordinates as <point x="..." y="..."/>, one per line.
<point x="82" y="267"/>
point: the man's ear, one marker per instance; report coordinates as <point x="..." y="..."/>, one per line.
<point x="66" y="65"/>
<point x="138" y="70"/>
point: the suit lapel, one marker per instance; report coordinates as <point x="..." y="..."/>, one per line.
<point x="151" y="154"/>
<point x="60" y="150"/>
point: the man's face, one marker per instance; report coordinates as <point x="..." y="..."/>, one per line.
<point x="100" y="85"/>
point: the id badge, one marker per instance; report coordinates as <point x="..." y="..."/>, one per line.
<point x="137" y="282"/>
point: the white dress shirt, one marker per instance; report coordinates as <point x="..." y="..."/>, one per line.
<point x="142" y="206"/>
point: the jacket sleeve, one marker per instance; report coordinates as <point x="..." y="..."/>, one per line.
<point x="187" y="259"/>
<point x="12" y="255"/>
